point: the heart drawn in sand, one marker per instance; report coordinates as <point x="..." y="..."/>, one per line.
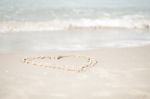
<point x="68" y="63"/>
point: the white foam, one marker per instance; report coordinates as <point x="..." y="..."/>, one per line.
<point x="128" y="22"/>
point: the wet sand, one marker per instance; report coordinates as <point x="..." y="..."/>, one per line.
<point x="120" y="73"/>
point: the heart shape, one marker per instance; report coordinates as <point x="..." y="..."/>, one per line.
<point x="69" y="63"/>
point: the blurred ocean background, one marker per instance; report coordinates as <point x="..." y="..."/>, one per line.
<point x="73" y="24"/>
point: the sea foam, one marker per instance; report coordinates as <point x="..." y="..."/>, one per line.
<point x="127" y="22"/>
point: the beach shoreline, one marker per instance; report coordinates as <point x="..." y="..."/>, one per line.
<point x="119" y="73"/>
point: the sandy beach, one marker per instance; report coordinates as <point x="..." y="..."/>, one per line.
<point x="120" y="73"/>
<point x="74" y="49"/>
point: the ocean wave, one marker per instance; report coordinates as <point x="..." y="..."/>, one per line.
<point x="126" y="22"/>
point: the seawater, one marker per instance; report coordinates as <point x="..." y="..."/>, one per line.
<point x="73" y="24"/>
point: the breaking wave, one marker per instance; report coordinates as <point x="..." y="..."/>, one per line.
<point x="126" y="22"/>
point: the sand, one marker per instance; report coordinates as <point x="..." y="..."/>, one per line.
<point x="121" y="73"/>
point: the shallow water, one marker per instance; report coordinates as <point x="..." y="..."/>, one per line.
<point x="73" y="24"/>
<point x="73" y="40"/>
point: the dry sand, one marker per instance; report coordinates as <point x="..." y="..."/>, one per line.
<point x="121" y="73"/>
